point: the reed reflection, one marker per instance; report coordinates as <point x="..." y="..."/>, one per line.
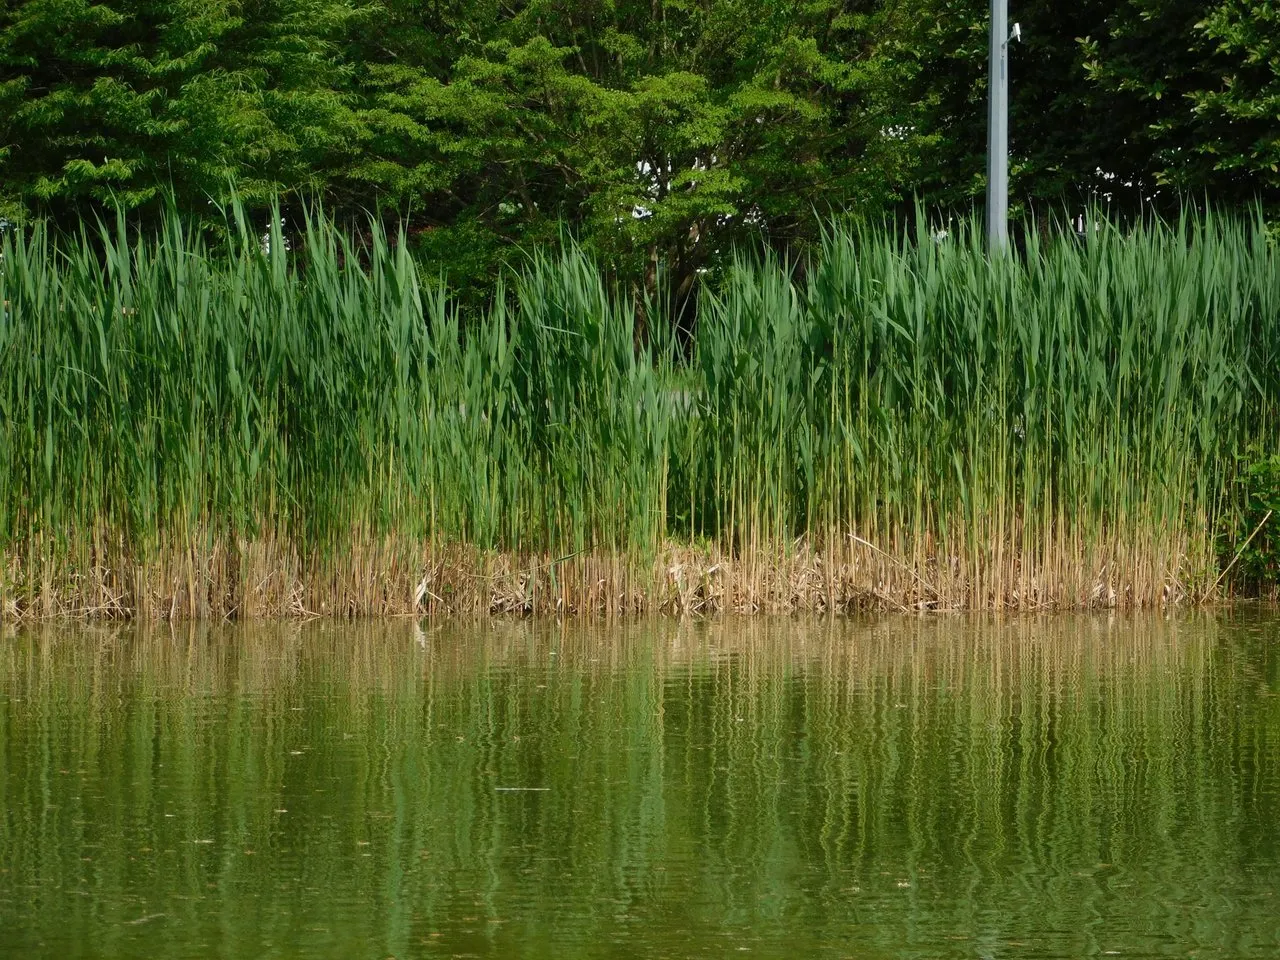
<point x="936" y="787"/>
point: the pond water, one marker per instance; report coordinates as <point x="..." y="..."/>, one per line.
<point x="937" y="788"/>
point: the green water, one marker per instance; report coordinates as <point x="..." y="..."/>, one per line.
<point x="938" y="788"/>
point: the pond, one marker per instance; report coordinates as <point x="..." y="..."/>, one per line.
<point x="940" y="787"/>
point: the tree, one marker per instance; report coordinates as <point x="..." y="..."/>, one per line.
<point x="1190" y="92"/>
<point x="117" y="102"/>
<point x="662" y="131"/>
<point x="1135" y="104"/>
<point x="1241" y="112"/>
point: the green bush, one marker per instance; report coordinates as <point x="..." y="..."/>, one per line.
<point x="1257" y="534"/>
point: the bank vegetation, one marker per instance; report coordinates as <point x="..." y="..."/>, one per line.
<point x="203" y="424"/>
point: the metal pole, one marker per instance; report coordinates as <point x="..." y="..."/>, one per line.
<point x="998" y="130"/>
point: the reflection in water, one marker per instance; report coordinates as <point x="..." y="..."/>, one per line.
<point x="1061" y="787"/>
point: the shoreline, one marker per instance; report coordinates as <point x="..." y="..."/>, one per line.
<point x="267" y="579"/>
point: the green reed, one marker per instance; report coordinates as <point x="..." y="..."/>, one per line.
<point x="983" y="422"/>
<point x="154" y="386"/>
<point x="936" y="402"/>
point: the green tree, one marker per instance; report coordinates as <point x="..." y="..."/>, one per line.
<point x="1136" y="103"/>
<point x="1187" y="96"/>
<point x="1070" y="139"/>
<point x="118" y="101"/>
<point x="661" y="131"/>
<point x="1242" y="110"/>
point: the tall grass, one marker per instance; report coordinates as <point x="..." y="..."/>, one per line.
<point x="1064" y="419"/>
<point x="201" y="427"/>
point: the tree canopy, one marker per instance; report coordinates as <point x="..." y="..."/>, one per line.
<point x="661" y="132"/>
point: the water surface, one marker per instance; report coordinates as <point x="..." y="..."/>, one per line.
<point x="940" y="788"/>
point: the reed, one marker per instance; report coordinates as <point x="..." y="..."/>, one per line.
<point x="194" y="427"/>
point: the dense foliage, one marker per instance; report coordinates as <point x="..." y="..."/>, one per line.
<point x="657" y="130"/>
<point x="1258" y="554"/>
<point x="1058" y="427"/>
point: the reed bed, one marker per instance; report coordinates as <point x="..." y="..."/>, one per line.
<point x="196" y="427"/>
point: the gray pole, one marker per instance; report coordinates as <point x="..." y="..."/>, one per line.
<point x="998" y="130"/>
